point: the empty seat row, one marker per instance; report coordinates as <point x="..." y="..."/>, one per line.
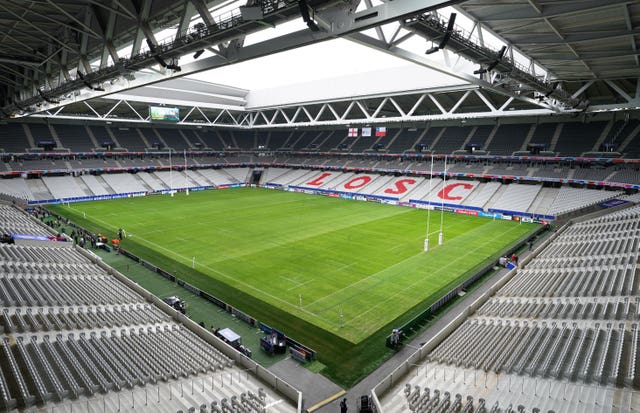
<point x="561" y="350"/>
<point x="24" y="253"/>
<point x="44" y="268"/>
<point x="59" y="290"/>
<point x="595" y="260"/>
<point x="70" y="365"/>
<point x="593" y="282"/>
<point x="426" y="400"/>
<point x="78" y="318"/>
<point x="562" y="308"/>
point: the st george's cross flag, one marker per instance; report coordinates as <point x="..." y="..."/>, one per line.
<point x="353" y="132"/>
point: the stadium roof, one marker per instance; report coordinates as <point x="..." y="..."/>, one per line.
<point x="95" y="59"/>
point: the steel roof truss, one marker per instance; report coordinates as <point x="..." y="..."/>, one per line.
<point x="38" y="29"/>
<point x="333" y="111"/>
<point x="485" y="100"/>
<point x="133" y="109"/>
<point x="619" y="91"/>
<point x="417" y="104"/>
<point x="398" y="108"/>
<point x="435" y="101"/>
<point x="113" y="108"/>
<point x="460" y="101"/>
<point x="91" y="108"/>
<point x="203" y="114"/>
<point x="188" y="114"/>
<point x="262" y="114"/>
<point x="284" y="115"/>
<point x="363" y="109"/>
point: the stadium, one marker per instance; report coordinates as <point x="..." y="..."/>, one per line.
<point x="313" y="205"/>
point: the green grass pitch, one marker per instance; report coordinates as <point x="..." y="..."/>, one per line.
<point x="362" y="260"/>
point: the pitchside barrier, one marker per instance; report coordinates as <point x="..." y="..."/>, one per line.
<point x="418" y="320"/>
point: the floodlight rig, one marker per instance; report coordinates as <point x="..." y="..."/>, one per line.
<point x="89" y="85"/>
<point x="493" y="64"/>
<point x="431" y="26"/>
<point x="447" y="35"/>
<point x="46" y="98"/>
<point x="160" y="60"/>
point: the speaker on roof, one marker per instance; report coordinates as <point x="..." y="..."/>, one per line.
<point x="452" y="22"/>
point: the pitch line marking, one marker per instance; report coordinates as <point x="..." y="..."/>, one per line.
<point x="299" y="285"/>
<point x="249" y="286"/>
<point x="224" y="275"/>
<point x="413" y="284"/>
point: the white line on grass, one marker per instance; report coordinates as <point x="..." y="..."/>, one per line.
<point x="223" y="274"/>
<point x="362" y="279"/>
<point x="230" y="277"/>
<point x="299" y="285"/>
<point x="417" y="282"/>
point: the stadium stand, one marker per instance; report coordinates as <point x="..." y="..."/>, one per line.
<point x="550" y="171"/>
<point x="39" y="132"/>
<point x="578" y="138"/>
<point x="13" y="138"/>
<point x="480" y="136"/>
<point x="428" y="139"/>
<point x="544" y="134"/>
<point x="516" y="197"/>
<point x="629" y="176"/>
<point x="12" y="221"/>
<point x="330" y="141"/>
<point x="134" y="139"/>
<point x="570" y="199"/>
<point x="92" y="163"/>
<point x="276" y="140"/>
<point x="451" y="140"/>
<point x="566" y="322"/>
<point x="539" y="202"/>
<point x="94" y="185"/>
<point x="172" y="137"/>
<point x="508" y="139"/>
<point x="563" y="138"/>
<point x="63" y="187"/>
<point x="17" y="188"/>
<point x="73" y="335"/>
<point x="595" y="173"/>
<point x="124" y="183"/>
<point x="191" y="139"/>
<point x="74" y="137"/>
<point x="627" y="141"/>
<point x="152" y="181"/>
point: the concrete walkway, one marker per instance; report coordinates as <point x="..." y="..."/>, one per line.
<point x="315" y="387"/>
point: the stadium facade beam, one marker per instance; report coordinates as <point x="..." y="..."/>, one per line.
<point x="335" y="18"/>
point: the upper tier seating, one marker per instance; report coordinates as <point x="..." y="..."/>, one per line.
<point x="564" y="138"/>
